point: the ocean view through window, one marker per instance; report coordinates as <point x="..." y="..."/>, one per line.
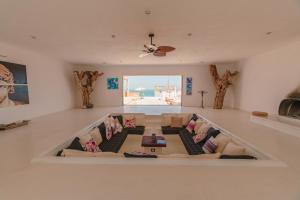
<point x="152" y="90"/>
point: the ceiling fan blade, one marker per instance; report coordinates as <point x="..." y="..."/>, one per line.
<point x="159" y="53"/>
<point x="165" y="48"/>
<point x="144" y="54"/>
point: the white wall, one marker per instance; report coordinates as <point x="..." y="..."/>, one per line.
<point x="50" y="84"/>
<point x="268" y="78"/>
<point x="200" y="73"/>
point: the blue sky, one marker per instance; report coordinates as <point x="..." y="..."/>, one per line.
<point x="149" y="82"/>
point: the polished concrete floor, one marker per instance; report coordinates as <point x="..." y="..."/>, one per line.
<point x="21" y="179"/>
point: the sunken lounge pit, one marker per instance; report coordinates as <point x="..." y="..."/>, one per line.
<point x="136" y="138"/>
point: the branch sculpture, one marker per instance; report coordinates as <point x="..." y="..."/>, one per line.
<point x="221" y="84"/>
<point x="86" y="82"/>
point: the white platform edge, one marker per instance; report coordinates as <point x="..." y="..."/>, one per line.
<point x="277" y="125"/>
<point x="159" y="161"/>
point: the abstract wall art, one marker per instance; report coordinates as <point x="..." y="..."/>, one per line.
<point x="13" y="85"/>
<point x="189" y="85"/>
<point x="113" y="83"/>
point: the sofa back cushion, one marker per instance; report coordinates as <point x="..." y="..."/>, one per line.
<point x="102" y="130"/>
<point x="166" y="120"/>
<point x="75" y="144"/>
<point x="222" y="140"/>
<point x="234" y="149"/>
<point x="176" y="122"/>
<point x="140" y="119"/>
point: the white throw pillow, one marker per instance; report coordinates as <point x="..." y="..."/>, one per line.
<point x="83" y="139"/>
<point x="118" y="126"/>
<point x="222" y="140"/>
<point x="203" y="129"/>
<point x="234" y="149"/>
<point x="199" y="123"/>
<point x="96" y="136"/>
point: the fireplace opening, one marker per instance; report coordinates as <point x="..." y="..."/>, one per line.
<point x="290" y="107"/>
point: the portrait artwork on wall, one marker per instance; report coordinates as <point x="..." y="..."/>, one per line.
<point x="13" y="85"/>
<point x="189" y="85"/>
<point x="113" y="83"/>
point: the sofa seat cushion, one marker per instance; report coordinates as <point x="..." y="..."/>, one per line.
<point x="115" y="143"/>
<point x="168" y="130"/>
<point x="189" y="144"/>
<point x="138" y="130"/>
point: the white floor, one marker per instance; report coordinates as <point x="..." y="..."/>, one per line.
<point x="19" y="179"/>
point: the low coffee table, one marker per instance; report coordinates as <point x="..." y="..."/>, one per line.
<point x="152" y="147"/>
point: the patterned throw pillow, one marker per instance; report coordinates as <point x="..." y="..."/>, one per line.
<point x="129" y="123"/>
<point x="108" y="129"/>
<point x="198" y="138"/>
<point x="191" y="125"/>
<point x="91" y="146"/>
<point x="118" y="126"/>
<point x="210" y="145"/>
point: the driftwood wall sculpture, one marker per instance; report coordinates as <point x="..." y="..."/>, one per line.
<point x="86" y="82"/>
<point x="221" y="84"/>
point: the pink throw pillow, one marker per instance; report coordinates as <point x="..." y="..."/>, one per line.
<point x="91" y="146"/>
<point x="191" y="125"/>
<point x="199" y="137"/>
<point x="129" y="123"/>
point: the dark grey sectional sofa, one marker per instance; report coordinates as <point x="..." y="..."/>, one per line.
<point x="195" y="148"/>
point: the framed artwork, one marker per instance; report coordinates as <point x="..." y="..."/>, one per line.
<point x="13" y="85"/>
<point x="189" y="85"/>
<point x="113" y="83"/>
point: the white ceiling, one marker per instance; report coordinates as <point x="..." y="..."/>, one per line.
<point x="80" y="31"/>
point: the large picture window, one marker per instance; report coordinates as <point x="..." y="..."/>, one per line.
<point x="152" y="90"/>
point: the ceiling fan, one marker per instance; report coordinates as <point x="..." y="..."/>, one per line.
<point x="153" y="49"/>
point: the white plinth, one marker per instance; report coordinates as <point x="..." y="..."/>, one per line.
<point x="283" y="124"/>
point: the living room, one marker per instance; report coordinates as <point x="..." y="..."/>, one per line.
<point x="253" y="101"/>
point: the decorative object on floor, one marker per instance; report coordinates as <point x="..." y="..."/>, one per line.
<point x="153" y="49"/>
<point x="13" y="125"/>
<point x="113" y="83"/>
<point x="221" y="84"/>
<point x="189" y="85"/>
<point x="13" y="85"/>
<point x="202" y="92"/>
<point x="86" y="82"/>
<point x="260" y="114"/>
